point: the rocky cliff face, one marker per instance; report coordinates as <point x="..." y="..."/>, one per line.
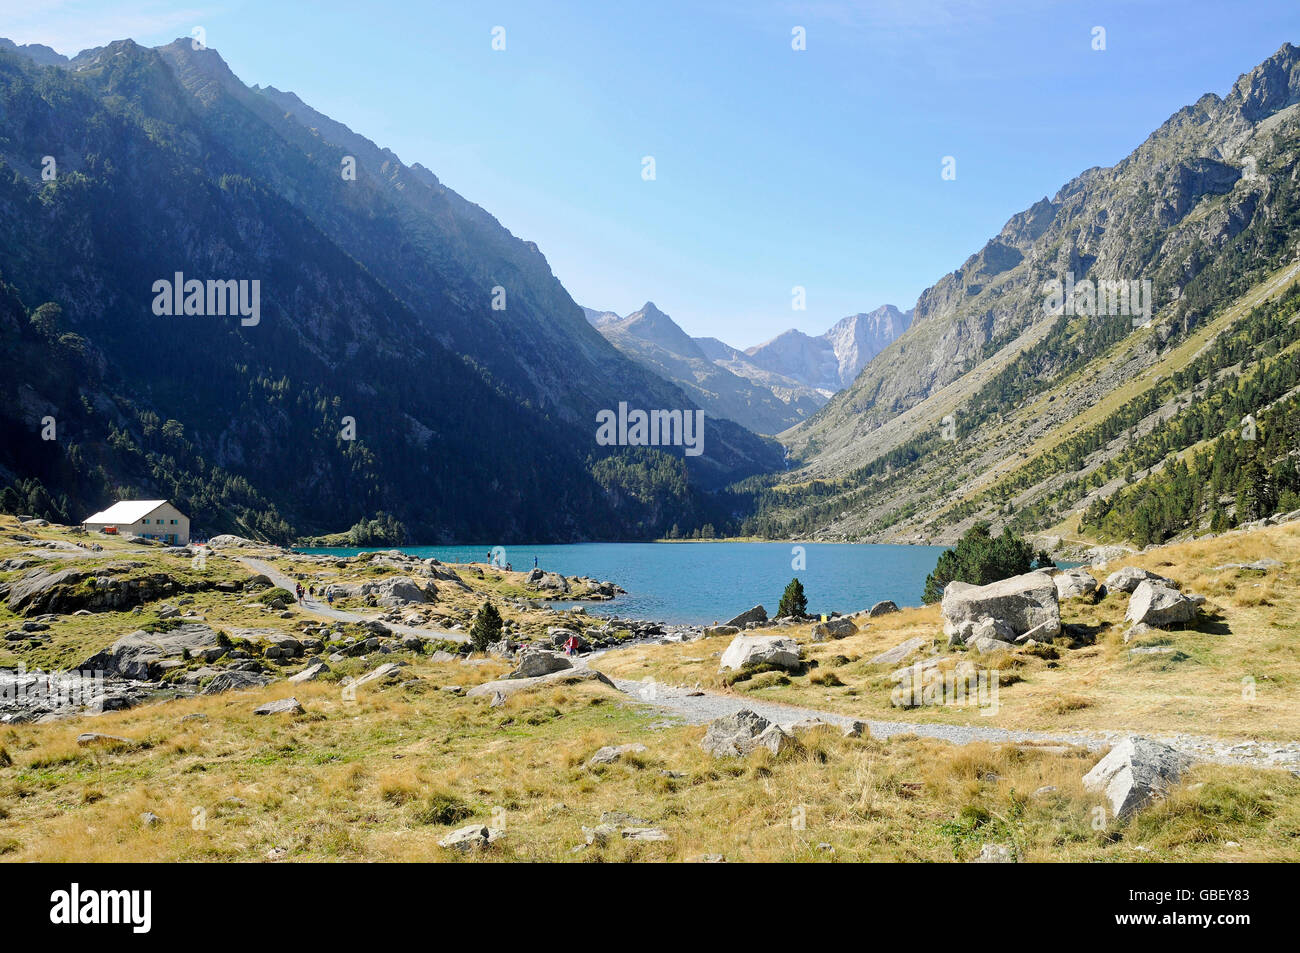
<point x="1160" y="215"/>
<point x="830" y="361"/>
<point x="1000" y="404"/>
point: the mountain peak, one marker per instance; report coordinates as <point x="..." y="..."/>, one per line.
<point x="1271" y="86"/>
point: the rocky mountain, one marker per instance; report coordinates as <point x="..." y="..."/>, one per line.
<point x="800" y="371"/>
<point x="656" y="342"/>
<point x="830" y="361"/>
<point x="470" y="378"/>
<point x="1005" y="401"/>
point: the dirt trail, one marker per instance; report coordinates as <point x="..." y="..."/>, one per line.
<point x="342" y="615"/>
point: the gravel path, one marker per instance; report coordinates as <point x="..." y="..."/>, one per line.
<point x="696" y="707"/>
<point x="342" y="615"/>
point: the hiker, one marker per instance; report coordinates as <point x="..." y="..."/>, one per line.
<point x="571" y="646"/>
<point x="329" y="595"/>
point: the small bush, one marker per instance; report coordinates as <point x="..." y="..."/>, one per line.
<point x="443" y="809"/>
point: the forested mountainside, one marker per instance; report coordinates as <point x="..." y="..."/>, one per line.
<point x="378" y="376"/>
<point x="995" y="404"/>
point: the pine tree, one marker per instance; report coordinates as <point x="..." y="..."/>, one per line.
<point x="793" y="601"/>
<point x="486" y="627"/>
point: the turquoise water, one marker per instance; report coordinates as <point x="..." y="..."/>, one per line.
<point x="704" y="582"/>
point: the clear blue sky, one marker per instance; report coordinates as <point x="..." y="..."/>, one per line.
<point x="775" y="168"/>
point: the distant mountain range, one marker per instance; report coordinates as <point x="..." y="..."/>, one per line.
<point x="766" y="388"/>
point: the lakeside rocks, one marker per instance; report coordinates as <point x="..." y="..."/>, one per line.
<point x="1027" y="604"/>
<point x="883" y="608"/>
<point x="753" y="616"/>
<point x="548" y="581"/>
<point x="738" y="734"/>
<point x="1136" y="771"/>
<point x="746" y="651"/>
<point x="1156" y="604"/>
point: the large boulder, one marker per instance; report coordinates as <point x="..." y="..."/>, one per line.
<point x="744" y="731"/>
<point x="535" y="662"/>
<point x="746" y="651"/>
<point x="1074" y="583"/>
<point x="756" y="614"/>
<point x="840" y="628"/>
<point x="399" y="590"/>
<point x="1026" y="603"/>
<point x="883" y="608"/>
<point x="1130" y="577"/>
<point x="1158" y="605"/>
<point x="1136" y="771"/>
<point x="138" y="654"/>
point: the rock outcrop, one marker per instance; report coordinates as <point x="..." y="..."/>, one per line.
<point x="138" y="654"/>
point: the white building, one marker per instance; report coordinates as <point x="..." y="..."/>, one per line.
<point x="153" y="519"/>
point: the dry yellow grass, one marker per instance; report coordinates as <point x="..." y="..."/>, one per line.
<point x="1239" y="676"/>
<point x="386" y="776"/>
